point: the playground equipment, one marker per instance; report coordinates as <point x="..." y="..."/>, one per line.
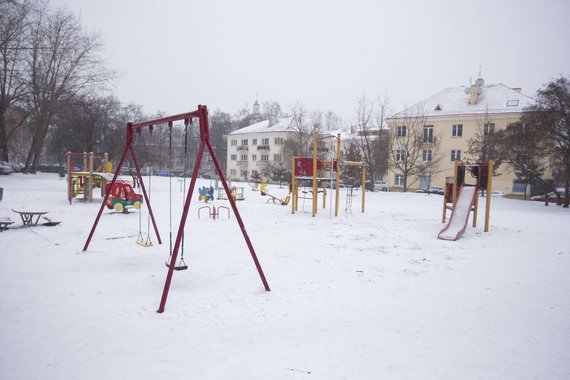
<point x="275" y="200"/>
<point x="464" y="198"/>
<point x="121" y="196"/>
<point x="90" y="177"/>
<point x="214" y="213"/>
<point x="315" y="169"/>
<point x="202" y="115"/>
<point x="236" y="193"/>
<point x="206" y="194"/>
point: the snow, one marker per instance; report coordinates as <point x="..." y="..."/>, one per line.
<point x="455" y="101"/>
<point x="282" y="125"/>
<point x="361" y="296"/>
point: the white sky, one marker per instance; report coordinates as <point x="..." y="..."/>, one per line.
<point x="173" y="55"/>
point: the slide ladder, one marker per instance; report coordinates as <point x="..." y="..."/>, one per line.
<point x="460" y="214"/>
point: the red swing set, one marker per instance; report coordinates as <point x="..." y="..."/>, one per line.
<point x="202" y="114"/>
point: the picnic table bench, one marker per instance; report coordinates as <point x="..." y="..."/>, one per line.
<point x="28" y="216"/>
<point x="5" y="222"/>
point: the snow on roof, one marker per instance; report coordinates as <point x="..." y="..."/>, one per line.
<point x="493" y="98"/>
<point x="282" y="125"/>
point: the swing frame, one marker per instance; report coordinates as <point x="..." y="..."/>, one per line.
<point x="202" y="114"/>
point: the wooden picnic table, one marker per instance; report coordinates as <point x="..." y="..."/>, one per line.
<point x="28" y="216"/>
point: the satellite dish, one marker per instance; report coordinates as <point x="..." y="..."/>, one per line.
<point x="479" y="82"/>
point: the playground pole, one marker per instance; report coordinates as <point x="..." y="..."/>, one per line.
<point x="363" y="185"/>
<point x="455" y="169"/>
<point x="475" y="207"/>
<point x="69" y="183"/>
<point x="315" y="189"/>
<point x="293" y="186"/>
<point x="337" y="190"/>
<point x="489" y="187"/>
<point x="90" y="179"/>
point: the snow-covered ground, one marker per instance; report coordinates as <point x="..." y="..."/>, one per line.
<point x="361" y="296"/>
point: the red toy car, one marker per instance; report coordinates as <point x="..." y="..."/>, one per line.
<point x="122" y="197"/>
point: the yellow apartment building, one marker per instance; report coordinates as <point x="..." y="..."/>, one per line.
<point x="445" y="122"/>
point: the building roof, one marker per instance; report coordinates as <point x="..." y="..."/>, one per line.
<point x="492" y="98"/>
<point x="282" y="125"/>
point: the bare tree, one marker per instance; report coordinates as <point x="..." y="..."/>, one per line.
<point x="64" y="60"/>
<point x="526" y="149"/>
<point x="414" y="150"/>
<point x="483" y="146"/>
<point x="304" y="125"/>
<point x="551" y="115"/>
<point x="14" y="37"/>
<point x="372" y="136"/>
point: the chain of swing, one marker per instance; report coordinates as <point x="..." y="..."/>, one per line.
<point x="181" y="265"/>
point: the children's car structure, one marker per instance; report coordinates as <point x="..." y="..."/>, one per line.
<point x="122" y="196"/>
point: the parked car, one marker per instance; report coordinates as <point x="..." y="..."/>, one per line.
<point x="552" y="197"/>
<point x="380" y="185"/>
<point x="431" y="190"/>
<point x="6" y="168"/>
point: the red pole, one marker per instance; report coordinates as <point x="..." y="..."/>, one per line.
<point x="238" y="217"/>
<point x="136" y="163"/>
<point x="106" y="197"/>
<point x="206" y="131"/>
<point x="181" y="229"/>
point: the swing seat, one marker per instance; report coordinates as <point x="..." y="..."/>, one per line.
<point x="181" y="266"/>
<point x="144" y="244"/>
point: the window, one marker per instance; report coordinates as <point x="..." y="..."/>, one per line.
<point x="253" y="141"/>
<point x="277" y="157"/>
<point x="234" y="142"/>
<point x="254" y="157"/>
<point x="265" y="141"/>
<point x="244" y="142"/>
<point x="254" y="173"/>
<point x="243" y="157"/>
<point x="400" y="154"/>
<point x="233" y="171"/>
<point x="426" y="155"/>
<point x="278" y="141"/>
<point x="399" y="180"/>
<point x="488" y="129"/>
<point x="264" y="157"/>
<point x="512" y="103"/>
<point x="455" y="155"/>
<point x="401" y="131"/>
<point x="244" y="173"/>
<point x="457" y="130"/>
<point x="234" y="157"/>
<point x="428" y="134"/>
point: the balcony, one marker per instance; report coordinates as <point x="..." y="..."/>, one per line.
<point x="263" y="147"/>
<point x="262" y="163"/>
<point x="428" y="140"/>
<point x="243" y="147"/>
<point x="242" y="163"/>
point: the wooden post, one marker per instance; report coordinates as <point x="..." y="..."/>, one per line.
<point x="293" y="185"/>
<point x="475" y="207"/>
<point x="315" y="188"/>
<point x="90" y="178"/>
<point x="444" y="214"/>
<point x="69" y="181"/>
<point x="489" y="188"/>
<point x="337" y="177"/>
<point x="363" y="169"/>
<point x="455" y="169"/>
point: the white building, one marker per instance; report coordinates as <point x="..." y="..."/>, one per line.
<point x="253" y="150"/>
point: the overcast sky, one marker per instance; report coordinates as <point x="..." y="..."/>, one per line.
<point x="174" y="55"/>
